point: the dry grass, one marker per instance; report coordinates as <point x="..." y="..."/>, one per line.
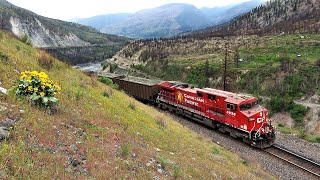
<point x="162" y="122"/>
<point x="45" y="60"/>
<point x="132" y="104"/>
<point x="88" y="126"/>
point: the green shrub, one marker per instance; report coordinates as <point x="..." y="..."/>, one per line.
<point x="297" y="112"/>
<point x="164" y="162"/>
<point x="280" y="103"/>
<point x="3" y="57"/>
<point x="285" y="103"/>
<point x="113" y="67"/>
<point x="124" y="150"/>
<point x="215" y="150"/>
<point x="108" y="81"/>
<point x="105" y="80"/>
<point x="79" y="95"/>
<point x="176" y="171"/>
<point x="25" y="39"/>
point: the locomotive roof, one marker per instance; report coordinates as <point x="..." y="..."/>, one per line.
<point x="172" y="84"/>
<point x="230" y="97"/>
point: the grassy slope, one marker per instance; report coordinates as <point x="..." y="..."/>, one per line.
<point x="41" y="144"/>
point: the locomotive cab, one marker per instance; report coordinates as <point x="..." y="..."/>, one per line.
<point x="261" y="131"/>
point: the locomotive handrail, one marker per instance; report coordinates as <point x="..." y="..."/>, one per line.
<point x="258" y="132"/>
<point x="252" y="129"/>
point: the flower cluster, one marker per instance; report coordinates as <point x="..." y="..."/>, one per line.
<point x="40" y="89"/>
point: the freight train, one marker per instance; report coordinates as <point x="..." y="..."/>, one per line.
<point x="239" y="115"/>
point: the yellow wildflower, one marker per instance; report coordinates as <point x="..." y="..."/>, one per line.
<point x="42" y="94"/>
<point x="35" y="89"/>
<point x="29" y="88"/>
<point x="57" y="87"/>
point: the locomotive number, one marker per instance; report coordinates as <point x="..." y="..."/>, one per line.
<point x="231" y="113"/>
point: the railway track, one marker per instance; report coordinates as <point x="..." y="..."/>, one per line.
<point x="295" y="159"/>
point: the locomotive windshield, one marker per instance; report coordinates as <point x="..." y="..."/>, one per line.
<point x="248" y="105"/>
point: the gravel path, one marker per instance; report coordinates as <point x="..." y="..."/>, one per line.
<point x="257" y="157"/>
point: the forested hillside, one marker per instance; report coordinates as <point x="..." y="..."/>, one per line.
<point x="276" y="16"/>
<point x="276" y="66"/>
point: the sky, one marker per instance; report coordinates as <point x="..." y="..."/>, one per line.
<point x="69" y="9"/>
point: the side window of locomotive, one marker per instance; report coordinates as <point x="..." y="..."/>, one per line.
<point x="245" y="107"/>
<point x="231" y="106"/>
<point x="211" y="97"/>
<point x="235" y="107"/>
<point x="199" y="94"/>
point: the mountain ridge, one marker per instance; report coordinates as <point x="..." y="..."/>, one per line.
<point x="167" y="20"/>
<point x="48" y="32"/>
<point x="71" y="42"/>
<point x="276" y="16"/>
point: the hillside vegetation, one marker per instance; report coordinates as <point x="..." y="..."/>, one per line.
<point x="99" y="132"/>
<point x="274" y="66"/>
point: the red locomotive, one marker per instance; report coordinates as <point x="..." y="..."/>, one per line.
<point x="240" y="115"/>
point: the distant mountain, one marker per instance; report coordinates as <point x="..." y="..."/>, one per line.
<point x="47" y="32"/>
<point x="166" y="21"/>
<point x="220" y="15"/>
<point x="98" y="22"/>
<point x="276" y="16"/>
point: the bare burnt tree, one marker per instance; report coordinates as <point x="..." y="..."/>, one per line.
<point x="207" y="71"/>
<point x="236" y="57"/>
<point x="225" y="69"/>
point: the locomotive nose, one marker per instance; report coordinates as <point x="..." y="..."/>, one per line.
<point x="258" y="116"/>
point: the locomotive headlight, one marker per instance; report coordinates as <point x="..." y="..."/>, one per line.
<point x="251" y="119"/>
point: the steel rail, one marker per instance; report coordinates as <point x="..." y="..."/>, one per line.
<point x="303" y="161"/>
